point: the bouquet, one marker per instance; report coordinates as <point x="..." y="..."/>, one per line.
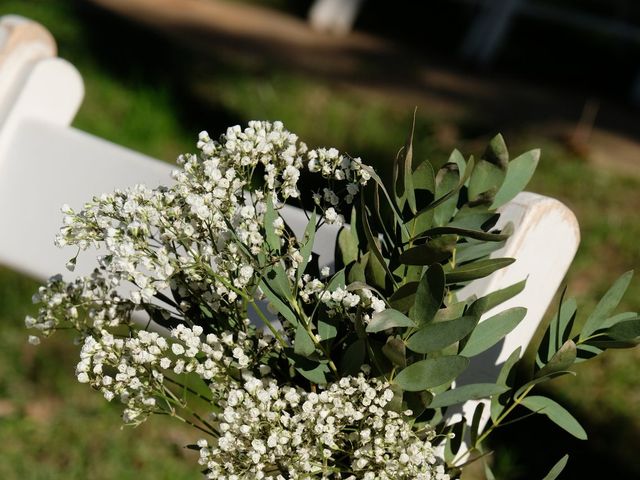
<point x="208" y="307"/>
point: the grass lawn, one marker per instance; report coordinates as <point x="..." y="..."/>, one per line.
<point x="150" y="95"/>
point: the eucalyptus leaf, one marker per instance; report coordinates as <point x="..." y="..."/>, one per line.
<point x="628" y="330"/>
<point x="317" y="373"/>
<point x="457" y="159"/>
<point x="465" y="232"/>
<point x="436" y="336"/>
<point x="327" y="327"/>
<point x="607" y="304"/>
<point x="519" y="172"/>
<point x="493" y="299"/>
<point x="557" y="469"/>
<point x="450" y="312"/>
<point x="468" y="251"/>
<point x="506" y="378"/>
<point x="357" y="271"/>
<point x="395" y="350"/>
<point x="492" y="330"/>
<point x="431" y="372"/>
<point x="278" y="281"/>
<point x="439" y="201"/>
<point x="388" y="318"/>
<point x="353" y="357"/>
<point x="407" y="192"/>
<point x="346" y="246"/>
<point x="418" y="402"/>
<point x="558" y="331"/>
<point x="448" y="179"/>
<point x="475" y="391"/>
<point x="621" y="317"/>
<point x="375" y="271"/>
<point x="479" y="269"/>
<point x="475" y="422"/>
<point x="429" y="253"/>
<point x="281" y="307"/>
<point x="424" y="185"/>
<point x="586" y="352"/>
<point x="605" y="343"/>
<point x="562" y="360"/>
<point x="403" y="298"/>
<point x="429" y="295"/>
<point x="486" y="178"/>
<point x="556" y="413"/>
<point x="473" y="218"/>
<point x="338" y="280"/>
<point x="303" y="344"/>
<point x="497" y="152"/>
<point x="566" y="317"/>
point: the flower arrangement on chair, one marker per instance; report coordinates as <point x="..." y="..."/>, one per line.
<point x="208" y="308"/>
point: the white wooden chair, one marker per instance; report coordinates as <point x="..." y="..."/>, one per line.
<point x="45" y="163"/>
<point x="334" y="16"/>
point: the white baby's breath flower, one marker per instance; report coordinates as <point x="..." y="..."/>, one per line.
<point x="187" y="255"/>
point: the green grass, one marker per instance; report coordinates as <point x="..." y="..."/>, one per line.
<point x="145" y="93"/>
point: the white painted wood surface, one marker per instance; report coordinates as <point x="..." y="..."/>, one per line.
<point x="44" y="163"/>
<point x="334" y="16"/>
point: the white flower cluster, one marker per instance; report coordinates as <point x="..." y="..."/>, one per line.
<point x="275" y="432"/>
<point x="86" y="303"/>
<point x="203" y="236"/>
<point x="196" y="256"/>
<point x="341" y="301"/>
<point x="135" y="368"/>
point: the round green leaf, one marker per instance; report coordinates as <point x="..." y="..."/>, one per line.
<point x="478" y="269"/>
<point x="492" y="330"/>
<point x="556" y="414"/>
<point x="436" y="336"/>
<point x="467" y="392"/>
<point x="429" y="253"/>
<point x="519" y="172"/>
<point x="628" y="330"/>
<point x="562" y="360"/>
<point x="388" y="318"/>
<point x="431" y="372"/>
<point x="429" y="295"/>
<point x="606" y="305"/>
<point x="557" y="468"/>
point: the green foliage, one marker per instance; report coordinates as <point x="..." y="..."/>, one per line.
<point x="602" y="201"/>
<point x="431" y="372"/>
<point x="425" y="238"/>
<point x="556" y="414"/>
<point x="557" y="468"/>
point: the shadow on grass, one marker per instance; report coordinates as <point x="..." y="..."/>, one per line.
<point x="139" y="57"/>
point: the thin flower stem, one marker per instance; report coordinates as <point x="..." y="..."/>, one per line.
<point x="189" y="389"/>
<point x="268" y="323"/>
<point x="189" y="422"/>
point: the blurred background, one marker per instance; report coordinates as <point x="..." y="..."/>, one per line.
<point x="563" y="75"/>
